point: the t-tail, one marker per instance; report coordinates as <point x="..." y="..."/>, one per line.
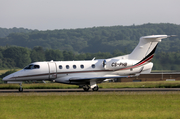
<point x="146" y="48"/>
<point x="138" y="61"/>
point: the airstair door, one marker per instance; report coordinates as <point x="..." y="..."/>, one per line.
<point x="52" y="70"/>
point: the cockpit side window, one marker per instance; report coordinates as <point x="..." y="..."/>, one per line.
<point x="36" y="67"/>
<point x="31" y="66"/>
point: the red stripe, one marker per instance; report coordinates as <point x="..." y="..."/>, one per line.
<point x="143" y="62"/>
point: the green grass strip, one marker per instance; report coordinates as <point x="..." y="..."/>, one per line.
<point x="88" y="105"/>
<point x="154" y="84"/>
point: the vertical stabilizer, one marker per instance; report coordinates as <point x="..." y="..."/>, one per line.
<point x="146" y="47"/>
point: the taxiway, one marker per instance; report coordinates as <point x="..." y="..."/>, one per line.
<point x="81" y="90"/>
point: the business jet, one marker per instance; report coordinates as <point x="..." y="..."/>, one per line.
<point x="91" y="72"/>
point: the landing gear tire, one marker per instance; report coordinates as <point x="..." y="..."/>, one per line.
<point x="20" y="89"/>
<point x="86" y="88"/>
<point x="96" y="88"/>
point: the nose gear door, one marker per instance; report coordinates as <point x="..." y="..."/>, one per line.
<point x="52" y="70"/>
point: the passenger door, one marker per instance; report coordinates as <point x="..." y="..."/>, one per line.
<point x="52" y="70"/>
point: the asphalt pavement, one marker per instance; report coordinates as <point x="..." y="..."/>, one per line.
<point x="81" y="90"/>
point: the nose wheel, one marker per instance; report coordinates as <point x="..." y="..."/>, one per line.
<point x="20" y="88"/>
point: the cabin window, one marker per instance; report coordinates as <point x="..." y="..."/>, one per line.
<point x="31" y="66"/>
<point x="67" y="66"/>
<point x="93" y="65"/>
<point x="82" y="66"/>
<point x="60" y="66"/>
<point x="74" y="66"/>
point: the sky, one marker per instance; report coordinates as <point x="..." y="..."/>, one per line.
<point x="72" y="14"/>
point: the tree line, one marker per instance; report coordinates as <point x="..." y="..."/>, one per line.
<point x="20" y="46"/>
<point x="19" y="57"/>
<point x="5" y="32"/>
<point x="12" y="57"/>
<point x="96" y="39"/>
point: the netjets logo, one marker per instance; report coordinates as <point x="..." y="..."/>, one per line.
<point x="115" y="64"/>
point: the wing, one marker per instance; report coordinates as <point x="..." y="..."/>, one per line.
<point x="100" y="79"/>
<point x="89" y="78"/>
<point x="104" y="77"/>
<point x="97" y="79"/>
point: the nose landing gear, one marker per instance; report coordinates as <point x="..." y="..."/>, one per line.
<point x="20" y="88"/>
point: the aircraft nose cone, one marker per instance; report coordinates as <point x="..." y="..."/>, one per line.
<point x="7" y="78"/>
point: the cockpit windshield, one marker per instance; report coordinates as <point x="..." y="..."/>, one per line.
<point x="31" y="66"/>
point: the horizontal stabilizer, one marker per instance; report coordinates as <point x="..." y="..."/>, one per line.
<point x="154" y="37"/>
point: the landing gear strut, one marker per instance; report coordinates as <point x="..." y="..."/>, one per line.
<point x="20" y="88"/>
<point x="86" y="88"/>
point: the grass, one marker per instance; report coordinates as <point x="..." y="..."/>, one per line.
<point x="90" y="105"/>
<point x="150" y="84"/>
<point x="147" y="84"/>
<point x="3" y="71"/>
<point x="39" y="86"/>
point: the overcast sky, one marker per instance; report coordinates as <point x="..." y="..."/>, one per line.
<point x="60" y="14"/>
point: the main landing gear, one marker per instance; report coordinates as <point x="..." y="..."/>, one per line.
<point x="96" y="88"/>
<point x="87" y="87"/>
<point x="20" y="88"/>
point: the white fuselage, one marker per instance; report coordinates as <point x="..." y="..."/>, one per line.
<point x="62" y="71"/>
